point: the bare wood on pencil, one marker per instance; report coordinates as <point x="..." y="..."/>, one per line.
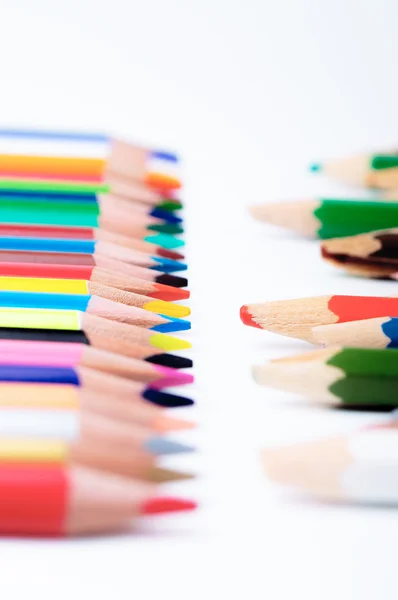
<point x="297" y="216"/>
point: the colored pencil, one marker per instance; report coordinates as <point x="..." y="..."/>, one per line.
<point x="82" y="426"/>
<point x="369" y="255"/>
<point x="297" y="318"/>
<point x="148" y="247"/>
<point x="104" y="334"/>
<point x="123" y="256"/>
<point x="74" y="501"/>
<point x="361" y="467"/>
<point x="131" y="190"/>
<point x="94" y="305"/>
<point x="87" y="274"/>
<point x="58" y="354"/>
<point x="330" y="218"/>
<point x="140" y="217"/>
<point x="66" y="397"/>
<point x="16" y="451"/>
<point x="78" y="286"/>
<point x="338" y="376"/>
<point x="158" y="377"/>
<point x="88" y="214"/>
<point x="102" y="262"/>
<point x="379" y="332"/>
<point x="372" y="170"/>
<point x="102" y="153"/>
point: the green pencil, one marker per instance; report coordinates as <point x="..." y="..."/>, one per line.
<point x="330" y="218"/>
<point x="337" y="376"/>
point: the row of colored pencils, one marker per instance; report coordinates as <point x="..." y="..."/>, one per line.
<point x="90" y="289"/>
<point x="356" y="365"/>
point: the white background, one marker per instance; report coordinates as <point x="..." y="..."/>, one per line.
<point x="249" y="92"/>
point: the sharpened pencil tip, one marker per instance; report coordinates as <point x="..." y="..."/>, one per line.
<point x="168" y="342"/>
<point x="170" y="377"/>
<point x="173" y="280"/>
<point x="170" y="360"/>
<point x="173" y="325"/>
<point x="164" y="424"/>
<point x="247" y="318"/>
<point x="168" y="253"/>
<point x="166" y="400"/>
<point x="315" y="167"/>
<point x="165" y="240"/>
<point x="168" y="265"/>
<point x="160" y="505"/>
<point x="171" y="228"/>
<point x="165" y="215"/>
<point x="167" y="309"/>
<point x="162" y="445"/>
<point x="161" y="475"/>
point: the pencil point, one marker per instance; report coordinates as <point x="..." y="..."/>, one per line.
<point x="173" y="280"/>
<point x="315" y="167"/>
<point x="161" y="475"/>
<point x="169" y="293"/>
<point x="173" y="325"/>
<point x="168" y="342"/>
<point x="159" y="251"/>
<point x="170" y="377"/>
<point x="247" y="318"/>
<point x="165" y="215"/>
<point x="171" y="360"/>
<point x="164" y="239"/>
<point x="167" y="309"/>
<point x="170" y="204"/>
<point x="161" y="445"/>
<point x="166" y="400"/>
<point x="171" y="228"/>
<point x="160" y="505"/>
<point x="165" y="424"/>
<point x="165" y="155"/>
<point x="168" y="265"/>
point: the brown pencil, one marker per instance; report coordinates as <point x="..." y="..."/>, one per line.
<point x="369" y="255"/>
<point x="49" y="452"/>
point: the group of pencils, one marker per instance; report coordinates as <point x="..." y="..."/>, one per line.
<point x="90" y="290"/>
<point x="356" y="365"/>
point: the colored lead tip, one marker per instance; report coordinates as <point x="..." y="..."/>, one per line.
<point x="165" y="215"/>
<point x="168" y="253"/>
<point x="172" y="326"/>
<point x="165" y="424"/>
<point x="316" y="167"/>
<point x="247" y="318"/>
<point x="167" y="227"/>
<point x="170" y="378"/>
<point x="168" y="292"/>
<point x="167" y="309"/>
<point x="166" y="504"/>
<point x="170" y="360"/>
<point x="173" y="280"/>
<point x="167" y="265"/>
<point x="168" y="342"/>
<point x="165" y="240"/>
<point x="166" y="400"/>
<point x="162" y="475"/>
<point x="162" y="445"/>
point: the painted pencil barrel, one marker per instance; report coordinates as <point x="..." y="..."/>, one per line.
<point x="41" y="244"/>
<point x="40" y="300"/>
